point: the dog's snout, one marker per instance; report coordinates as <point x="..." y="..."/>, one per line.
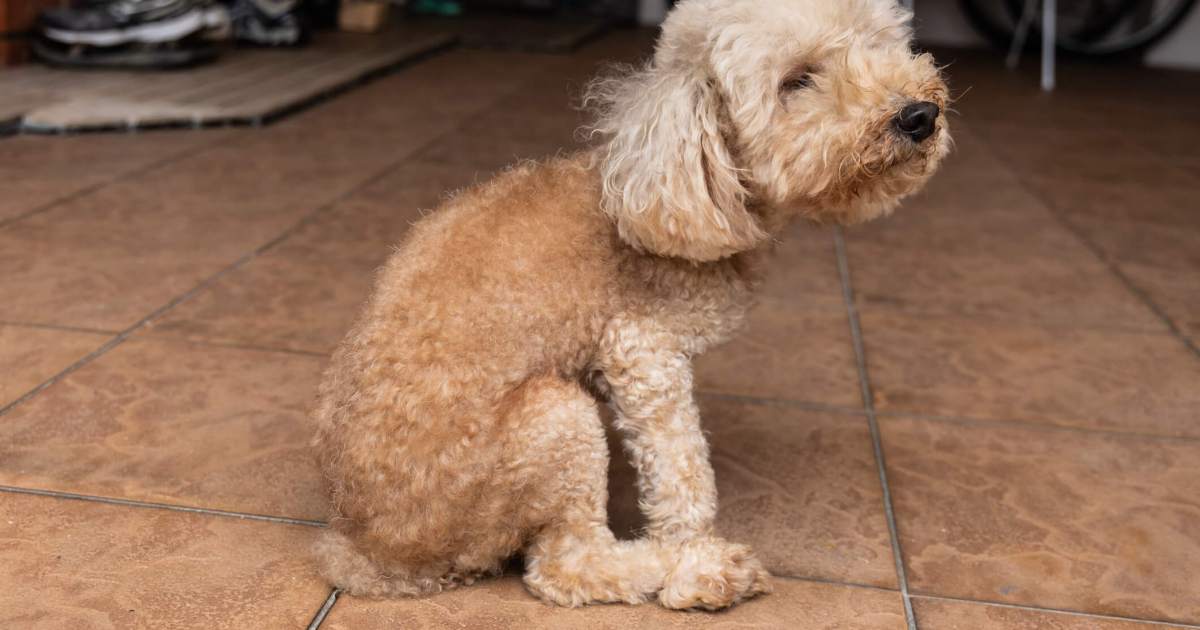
<point x="917" y="120"/>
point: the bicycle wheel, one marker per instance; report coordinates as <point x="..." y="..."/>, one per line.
<point x="991" y="19"/>
<point x="1111" y="27"/>
<point x="1094" y="28"/>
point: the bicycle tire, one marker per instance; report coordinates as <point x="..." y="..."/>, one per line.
<point x="1078" y="44"/>
<point x="995" y="31"/>
<point x="999" y="31"/>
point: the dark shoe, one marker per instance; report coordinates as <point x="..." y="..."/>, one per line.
<point x="268" y="22"/>
<point x="121" y="22"/>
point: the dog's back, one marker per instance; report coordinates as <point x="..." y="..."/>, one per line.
<point x="506" y="281"/>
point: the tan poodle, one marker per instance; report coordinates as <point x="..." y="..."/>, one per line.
<point x="458" y="423"/>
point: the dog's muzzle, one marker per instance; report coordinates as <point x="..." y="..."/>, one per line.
<point x="917" y="120"/>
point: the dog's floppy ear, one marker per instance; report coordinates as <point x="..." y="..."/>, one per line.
<point x="669" y="179"/>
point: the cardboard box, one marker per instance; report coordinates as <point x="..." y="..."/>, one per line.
<point x="362" y="17"/>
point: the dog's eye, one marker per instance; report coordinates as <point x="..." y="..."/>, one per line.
<point x="796" y="82"/>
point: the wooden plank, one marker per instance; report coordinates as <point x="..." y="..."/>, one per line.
<point x="244" y="85"/>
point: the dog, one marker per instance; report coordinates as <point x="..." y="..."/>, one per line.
<point x="458" y="423"/>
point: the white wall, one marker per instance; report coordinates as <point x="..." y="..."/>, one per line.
<point x="1181" y="49"/>
<point x="941" y="22"/>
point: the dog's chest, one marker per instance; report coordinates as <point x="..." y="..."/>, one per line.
<point x="700" y="305"/>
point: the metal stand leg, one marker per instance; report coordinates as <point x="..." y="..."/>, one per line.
<point x="1049" y="37"/>
<point x="1049" y="15"/>
<point x="1020" y="34"/>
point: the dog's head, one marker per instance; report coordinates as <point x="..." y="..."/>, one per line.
<point x="755" y="111"/>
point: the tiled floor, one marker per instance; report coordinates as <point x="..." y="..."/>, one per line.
<point x="1026" y="332"/>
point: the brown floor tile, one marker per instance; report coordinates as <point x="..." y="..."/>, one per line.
<point x="549" y="104"/>
<point x="1123" y="381"/>
<point x="288" y="300"/>
<point x="433" y="95"/>
<point x="1076" y="154"/>
<point x="1068" y="288"/>
<point x="1176" y="292"/>
<point x="978" y="243"/>
<point x="305" y="293"/>
<point x="800" y="487"/>
<point x="174" y="422"/>
<point x="627" y="45"/>
<point x="459" y="82"/>
<point x="29" y="356"/>
<point x="935" y="614"/>
<point x="803" y="271"/>
<point x="1143" y="242"/>
<point x="983" y="213"/>
<point x="1162" y="260"/>
<point x="1068" y="520"/>
<point x="503" y="603"/>
<point x="785" y="352"/>
<point x="457" y="89"/>
<point x="970" y="154"/>
<point x="491" y="142"/>
<point x="112" y="257"/>
<point x="77" y="564"/>
<point x="1088" y="148"/>
<point x="39" y="170"/>
<point x="202" y="213"/>
<point x="1124" y="200"/>
<point x="1175" y="142"/>
<point x="539" y="117"/>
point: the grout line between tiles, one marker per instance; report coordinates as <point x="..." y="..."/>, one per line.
<point x="87" y="358"/>
<point x="139" y="170"/>
<point x="1098" y="252"/>
<point x="872" y="423"/>
<point x="1124" y="279"/>
<point x="246" y="516"/>
<point x="1033" y="425"/>
<point x="170" y="338"/>
<point x="323" y="612"/>
<point x="1061" y="611"/>
<point x="1019" y="321"/>
<point x="242" y="260"/>
<point x="77" y="329"/>
<point x="783" y="402"/>
<point x="1017" y="423"/>
<point x="817" y="580"/>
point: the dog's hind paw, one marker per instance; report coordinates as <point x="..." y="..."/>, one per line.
<point x="712" y="573"/>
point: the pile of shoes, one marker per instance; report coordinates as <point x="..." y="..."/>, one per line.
<point x="162" y="33"/>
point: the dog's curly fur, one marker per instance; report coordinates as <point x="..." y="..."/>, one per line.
<point x="458" y="421"/>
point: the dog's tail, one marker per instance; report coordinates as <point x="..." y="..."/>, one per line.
<point x="351" y="571"/>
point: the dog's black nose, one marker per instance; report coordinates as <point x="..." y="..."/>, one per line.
<point x="917" y="120"/>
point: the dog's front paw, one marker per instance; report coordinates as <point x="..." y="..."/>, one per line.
<point x="712" y="573"/>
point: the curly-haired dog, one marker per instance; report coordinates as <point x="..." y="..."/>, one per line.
<point x="458" y="422"/>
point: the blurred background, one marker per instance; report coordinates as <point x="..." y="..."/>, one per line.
<point x="981" y="412"/>
<point x="339" y="42"/>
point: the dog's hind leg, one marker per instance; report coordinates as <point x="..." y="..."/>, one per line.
<point x="574" y="558"/>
